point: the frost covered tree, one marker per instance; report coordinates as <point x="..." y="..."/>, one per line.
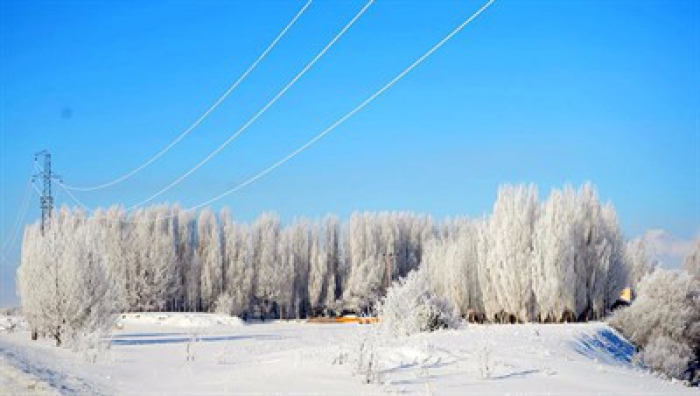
<point x="599" y="261"/>
<point x="151" y="258"/>
<point x="266" y="235"/>
<point x="615" y="268"/>
<point x="554" y="278"/>
<point x="664" y="320"/>
<point x="323" y="279"/>
<point x="300" y="256"/>
<point x="63" y="280"/>
<point x="511" y="229"/>
<point x="210" y="258"/>
<point x="379" y="247"/>
<point x="189" y="265"/>
<point x="239" y="276"/>
<point x="692" y="262"/>
<point x="411" y="306"/>
<point x="451" y="264"/>
<point x="366" y="252"/>
<point x="639" y="262"/>
<point x="233" y="299"/>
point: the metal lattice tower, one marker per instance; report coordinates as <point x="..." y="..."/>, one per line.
<point x="46" y="176"/>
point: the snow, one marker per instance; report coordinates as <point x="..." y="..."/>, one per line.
<point x="15" y="381"/>
<point x="167" y="319"/>
<point x="149" y="354"/>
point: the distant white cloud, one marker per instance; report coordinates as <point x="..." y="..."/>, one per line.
<point x="668" y="250"/>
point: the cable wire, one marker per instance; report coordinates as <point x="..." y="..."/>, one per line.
<point x="348" y="115"/>
<point x="262" y="111"/>
<point x="341" y="120"/>
<point x="201" y="118"/>
<point x="21" y="215"/>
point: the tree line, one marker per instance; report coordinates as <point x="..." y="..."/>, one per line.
<point x="560" y="259"/>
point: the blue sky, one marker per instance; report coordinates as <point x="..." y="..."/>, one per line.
<point x="549" y="92"/>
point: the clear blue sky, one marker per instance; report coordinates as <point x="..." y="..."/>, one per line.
<point x="550" y="92"/>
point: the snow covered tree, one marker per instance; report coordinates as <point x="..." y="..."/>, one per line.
<point x="266" y="235"/>
<point x="639" y="262"/>
<point x="210" y="258"/>
<point x="511" y="229"/>
<point x="63" y="280"/>
<point x="239" y="269"/>
<point x="324" y="285"/>
<point x="164" y="275"/>
<point x="362" y="286"/>
<point x="553" y="257"/>
<point x="664" y="320"/>
<point x="300" y="256"/>
<point x="452" y="266"/>
<point x="692" y="262"/>
<point x="188" y="263"/>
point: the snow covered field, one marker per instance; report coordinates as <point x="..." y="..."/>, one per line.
<point x="149" y="354"/>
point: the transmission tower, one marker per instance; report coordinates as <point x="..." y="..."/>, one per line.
<point x="47" y="177"/>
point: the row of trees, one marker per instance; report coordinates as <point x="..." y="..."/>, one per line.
<point x="165" y="258"/>
<point x="562" y="259"/>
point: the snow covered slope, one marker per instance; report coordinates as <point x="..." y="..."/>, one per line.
<point x="151" y="355"/>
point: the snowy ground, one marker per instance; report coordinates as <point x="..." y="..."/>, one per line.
<point x="149" y="354"/>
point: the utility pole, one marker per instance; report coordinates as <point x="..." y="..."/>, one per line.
<point x="47" y="177"/>
<point x="46" y="200"/>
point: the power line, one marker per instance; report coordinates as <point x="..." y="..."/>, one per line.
<point x="21" y="214"/>
<point x="350" y="114"/>
<point x="72" y="196"/>
<point x="201" y="118"/>
<point x="259" y="113"/>
<point x="341" y="120"/>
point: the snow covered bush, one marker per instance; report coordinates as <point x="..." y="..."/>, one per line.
<point x="664" y="320"/>
<point x="224" y="304"/>
<point x="666" y="355"/>
<point x="367" y="358"/>
<point x="411" y="307"/>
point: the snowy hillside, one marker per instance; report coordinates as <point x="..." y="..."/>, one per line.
<point x="149" y="352"/>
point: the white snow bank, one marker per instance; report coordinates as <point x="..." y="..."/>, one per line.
<point x="177" y="319"/>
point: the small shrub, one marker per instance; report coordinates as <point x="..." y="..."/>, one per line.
<point x="666" y="355"/>
<point x="485" y="362"/>
<point x="411" y="307"/>
<point x="224" y="304"/>
<point x="367" y="362"/>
